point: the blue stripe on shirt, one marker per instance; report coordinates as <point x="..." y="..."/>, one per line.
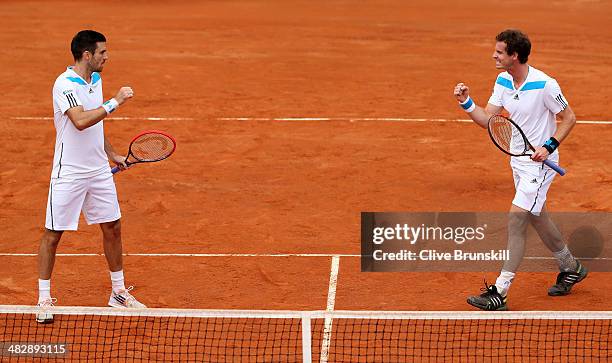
<point x="533" y="85"/>
<point x="505" y="82"/>
<point x="77" y="80"/>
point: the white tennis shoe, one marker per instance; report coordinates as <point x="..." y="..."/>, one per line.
<point x="44" y="316"/>
<point x="123" y="299"/>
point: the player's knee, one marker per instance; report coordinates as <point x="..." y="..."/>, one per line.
<point x="50" y="241"/>
<point x="112" y="230"/>
<point x="517" y="219"/>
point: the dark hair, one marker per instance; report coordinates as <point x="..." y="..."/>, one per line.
<point x="85" y="40"/>
<point x="516" y="42"/>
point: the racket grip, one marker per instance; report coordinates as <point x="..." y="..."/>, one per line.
<point x="115" y="169"/>
<point x="555" y="167"/>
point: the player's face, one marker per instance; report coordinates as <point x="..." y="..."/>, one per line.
<point x="96" y="62"/>
<point x="502" y="59"/>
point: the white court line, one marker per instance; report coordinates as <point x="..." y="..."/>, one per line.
<point x="113" y="118"/>
<point x="190" y="254"/>
<point x="331" y="302"/>
<point x="298" y="119"/>
<point x="252" y="255"/>
<point x="380" y="119"/>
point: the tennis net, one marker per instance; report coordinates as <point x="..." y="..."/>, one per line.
<point x="106" y="334"/>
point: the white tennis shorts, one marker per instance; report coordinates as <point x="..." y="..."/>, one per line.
<point x="531" y="181"/>
<point x="95" y="196"/>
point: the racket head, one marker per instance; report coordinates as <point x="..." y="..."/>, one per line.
<point x="508" y="136"/>
<point x="150" y="146"/>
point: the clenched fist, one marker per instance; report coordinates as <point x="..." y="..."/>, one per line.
<point x="124" y="94"/>
<point x="461" y="92"/>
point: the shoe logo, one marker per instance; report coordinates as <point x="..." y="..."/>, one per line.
<point x="91" y="90"/>
<point x="534" y="181"/>
<point x="516" y="97"/>
<point x="119" y="298"/>
<point x="496" y="302"/>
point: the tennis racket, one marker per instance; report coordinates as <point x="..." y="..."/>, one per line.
<point x="509" y="138"/>
<point x="149" y="146"/>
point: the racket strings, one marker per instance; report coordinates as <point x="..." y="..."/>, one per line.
<point x="507" y="136"/>
<point x="152" y="147"/>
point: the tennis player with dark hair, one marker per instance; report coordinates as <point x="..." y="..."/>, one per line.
<point x="81" y="178"/>
<point x="534" y="101"/>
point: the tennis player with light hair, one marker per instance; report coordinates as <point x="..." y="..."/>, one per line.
<point x="534" y="101"/>
<point x="81" y="178"/>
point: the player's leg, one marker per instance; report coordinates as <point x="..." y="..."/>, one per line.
<point x="46" y="253"/>
<point x="120" y="296"/>
<point x="527" y="186"/>
<point x="102" y="207"/>
<point x="46" y="261"/>
<point x="495" y="296"/>
<point x="547" y="230"/>
<point x="552" y="238"/>
<point x="571" y="270"/>
<point x="531" y="182"/>
<point x="64" y="204"/>
<point x="518" y="219"/>
<point x="113" y="249"/>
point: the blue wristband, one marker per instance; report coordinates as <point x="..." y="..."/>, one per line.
<point x="551" y="145"/>
<point x="110" y="105"/>
<point x="468" y="105"/>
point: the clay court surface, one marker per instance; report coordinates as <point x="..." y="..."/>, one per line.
<point x="266" y="186"/>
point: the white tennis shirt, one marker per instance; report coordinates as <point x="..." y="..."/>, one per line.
<point x="532" y="106"/>
<point x="78" y="154"/>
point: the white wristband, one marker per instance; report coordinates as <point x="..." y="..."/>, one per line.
<point x="468" y="105"/>
<point x="110" y="105"/>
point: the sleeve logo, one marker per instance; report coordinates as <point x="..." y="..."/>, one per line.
<point x="71" y="99"/>
<point x="561" y="101"/>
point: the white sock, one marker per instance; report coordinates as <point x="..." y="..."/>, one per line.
<point x="566" y="260"/>
<point x="44" y="290"/>
<point x="117" y="280"/>
<point x="504" y="281"/>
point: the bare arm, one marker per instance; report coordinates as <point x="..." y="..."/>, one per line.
<point x="479" y="115"/>
<point x="83" y="119"/>
<point x="113" y="156"/>
<point x="567" y="120"/>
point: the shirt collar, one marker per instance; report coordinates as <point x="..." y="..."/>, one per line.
<point x="77" y="78"/>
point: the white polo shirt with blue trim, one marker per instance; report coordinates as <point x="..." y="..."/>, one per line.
<point x="532" y="106"/>
<point x="78" y="154"/>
